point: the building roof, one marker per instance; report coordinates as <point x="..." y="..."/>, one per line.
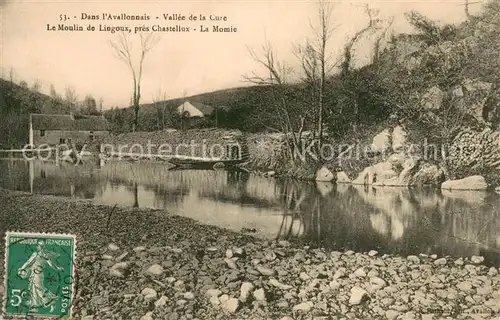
<point x="68" y="122"/>
<point x="204" y="108"/>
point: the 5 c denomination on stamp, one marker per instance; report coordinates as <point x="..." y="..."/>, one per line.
<point x="39" y="274"/>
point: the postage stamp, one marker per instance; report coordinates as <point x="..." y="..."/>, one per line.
<point x="39" y="274"/>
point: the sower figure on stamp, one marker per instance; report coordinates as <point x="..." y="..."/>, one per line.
<point x="33" y="269"/>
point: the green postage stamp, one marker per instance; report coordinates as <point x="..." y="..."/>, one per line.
<point x="39" y="274"/>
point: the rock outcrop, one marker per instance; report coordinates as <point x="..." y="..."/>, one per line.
<point x="402" y="167"/>
<point x="469" y="183"/>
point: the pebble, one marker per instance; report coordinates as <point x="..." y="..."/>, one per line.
<point x="139" y="249"/>
<point x="440" y="262"/>
<point x="266" y="271"/>
<point x="189" y="296"/>
<point x="303" y="307"/>
<point x="245" y="290"/>
<point x="413" y="259"/>
<point x="116" y="273"/>
<point x="213" y="293"/>
<point x="340" y="273"/>
<point x="357" y="295"/>
<point x="147" y="316"/>
<point x="259" y="295"/>
<point x="113" y="247"/>
<point x="155" y="270"/>
<point x="149" y="293"/>
<point x="231" y="305"/>
<point x="360" y="272"/>
<point x="161" y="302"/>
<point x="231" y="263"/>
<point x="372" y="253"/>
<point x="392" y="314"/>
<point x="279" y="285"/>
<point x="477" y="259"/>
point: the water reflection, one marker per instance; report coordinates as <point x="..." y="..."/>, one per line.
<point x="401" y="220"/>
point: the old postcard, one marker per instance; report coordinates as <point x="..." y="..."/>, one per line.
<point x="250" y="159"/>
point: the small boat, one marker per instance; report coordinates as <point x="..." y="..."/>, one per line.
<point x="204" y="163"/>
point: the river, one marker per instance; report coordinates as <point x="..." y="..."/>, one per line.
<point x="389" y="220"/>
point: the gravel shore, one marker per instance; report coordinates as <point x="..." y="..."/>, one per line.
<point x="145" y="264"/>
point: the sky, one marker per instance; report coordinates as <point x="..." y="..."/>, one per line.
<point x="181" y="64"/>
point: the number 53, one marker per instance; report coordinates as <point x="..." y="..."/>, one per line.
<point x="16" y="295"/>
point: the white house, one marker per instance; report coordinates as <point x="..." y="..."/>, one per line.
<point x="190" y="109"/>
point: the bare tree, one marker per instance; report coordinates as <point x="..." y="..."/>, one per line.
<point x="71" y="98"/>
<point x="277" y="80"/>
<point x="101" y="103"/>
<point x="378" y="41"/>
<point x="123" y="50"/>
<point x="37" y="85"/>
<point x="159" y="101"/>
<point x="11" y="74"/>
<point x="317" y="64"/>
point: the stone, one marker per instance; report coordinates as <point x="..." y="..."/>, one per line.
<point x="392" y="314"/>
<point x="161" y="302"/>
<point x="113" y="247"/>
<point x="147" y="316"/>
<point x="155" y="270"/>
<point x="433" y="98"/>
<point x="398" y="139"/>
<point x="304" y="276"/>
<point x="303" y="307"/>
<point x="464" y="286"/>
<point x="340" y="273"/>
<point x="245" y="290"/>
<point x="213" y="293"/>
<point x="342" y="177"/>
<point x="428" y="174"/>
<point x="413" y="259"/>
<point x="477" y="259"/>
<point x="470" y="183"/>
<point x="379" y="282"/>
<point x="324" y="175"/>
<point x="360" y="272"/>
<point x="381" y="142"/>
<point x="149" y="293"/>
<point x="231" y="305"/>
<point x="259" y="295"/>
<point x="357" y="295"/>
<point x="334" y="285"/>
<point x="279" y="285"/>
<point x="189" y="296"/>
<point x="372" y="253"/>
<point x="378" y="174"/>
<point x="214" y="301"/>
<point x="231" y="263"/>
<point x="139" y="249"/>
<point x="116" y="273"/>
<point x="121" y="257"/>
<point x="440" y="262"/>
<point x="266" y="271"/>
<point x="229" y="253"/>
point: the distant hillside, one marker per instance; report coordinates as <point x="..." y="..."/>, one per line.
<point x="16" y="103"/>
<point x="244" y="108"/>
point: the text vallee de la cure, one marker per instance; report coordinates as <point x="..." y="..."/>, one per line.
<point x="174" y="20"/>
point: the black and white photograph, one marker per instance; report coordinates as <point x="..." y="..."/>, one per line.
<point x="250" y="159"/>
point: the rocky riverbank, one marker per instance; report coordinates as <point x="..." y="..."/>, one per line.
<point x="145" y="264"/>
